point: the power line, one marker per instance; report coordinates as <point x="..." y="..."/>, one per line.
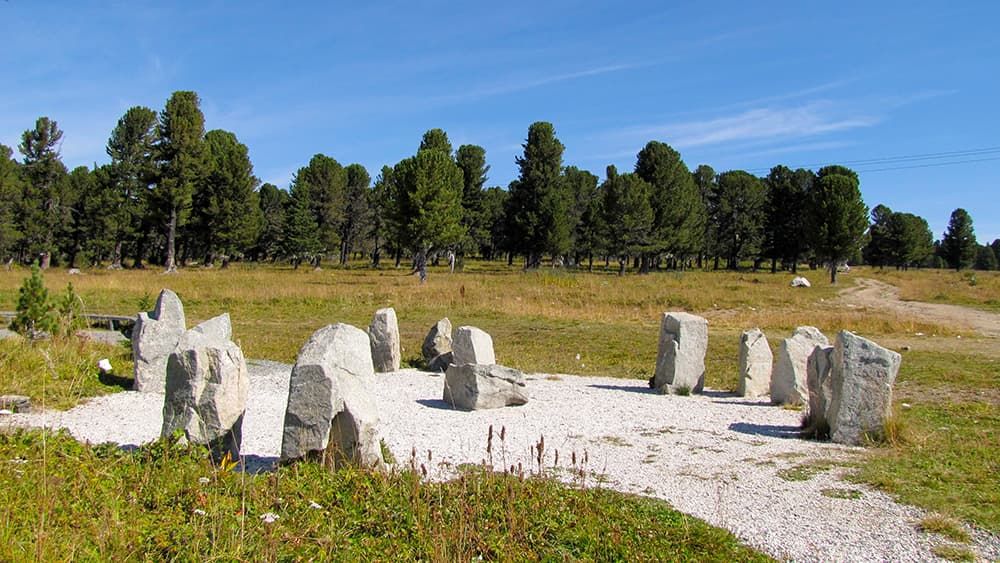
<point x="907" y="158"/>
<point x="931" y="165"/>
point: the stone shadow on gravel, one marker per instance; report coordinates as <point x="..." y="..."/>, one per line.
<point x="644" y="389"/>
<point x="746" y="403"/>
<point x="770" y="430"/>
<point x="436" y="404"/>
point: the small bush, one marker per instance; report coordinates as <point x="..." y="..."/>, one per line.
<point x="683" y="391"/>
<point x="35" y="315"/>
<point x="70" y="313"/>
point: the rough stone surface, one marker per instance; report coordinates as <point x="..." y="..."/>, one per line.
<point x="861" y="379"/>
<point x="206" y="390"/>
<point x="473" y="346"/>
<point x="6" y="333"/>
<point x="218" y="328"/>
<point x="439" y="364"/>
<point x="331" y="415"/>
<point x="15" y="403"/>
<point x="680" y="362"/>
<point x="755" y="364"/>
<point x="154" y="337"/>
<point x="818" y="382"/>
<point x="478" y="386"/>
<point x="438" y="340"/>
<point x="110" y="337"/>
<point x="788" y="382"/>
<point x="384" y="335"/>
<point x="800" y="281"/>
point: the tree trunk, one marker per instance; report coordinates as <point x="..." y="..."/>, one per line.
<point x="590" y="262"/>
<point x="170" y="263"/>
<point x="621" y="265"/>
<point x="833" y="272"/>
<point x="774" y="265"/>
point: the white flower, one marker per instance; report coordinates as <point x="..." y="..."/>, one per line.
<point x="578" y="356"/>
<point x="203" y="480"/>
<point x="104" y="365"/>
<point x="314" y="505"/>
<point x="199" y="512"/>
<point x="269" y="517"/>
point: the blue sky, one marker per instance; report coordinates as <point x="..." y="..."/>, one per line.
<point x="737" y="85"/>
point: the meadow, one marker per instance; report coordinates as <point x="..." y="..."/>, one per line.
<point x="945" y="456"/>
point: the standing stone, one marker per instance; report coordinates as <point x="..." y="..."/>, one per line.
<point x="154" y="337"/>
<point x="473" y="346"/>
<point x="788" y="382"/>
<point x="861" y="382"/>
<point x="438" y="340"/>
<point x="384" y="335"/>
<point x="479" y="386"/>
<point x="206" y="390"/>
<point x="818" y="381"/>
<point x="216" y="328"/>
<point x="331" y="416"/>
<point x="755" y="364"/>
<point x="680" y="362"/>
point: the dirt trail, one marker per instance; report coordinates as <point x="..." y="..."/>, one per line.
<point x="880" y="295"/>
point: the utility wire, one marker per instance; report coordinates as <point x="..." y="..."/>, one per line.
<point x="984" y="151"/>
<point x="930" y="165"/>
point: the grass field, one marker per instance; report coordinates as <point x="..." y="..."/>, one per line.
<point x="948" y="390"/>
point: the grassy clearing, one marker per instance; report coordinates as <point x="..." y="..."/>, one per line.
<point x="969" y="288"/>
<point x="58" y="374"/>
<point x="60" y="500"/>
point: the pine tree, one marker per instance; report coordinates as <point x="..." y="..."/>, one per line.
<point x="35" y="314"/>
<point x="581" y="186"/>
<point x="537" y="207"/>
<point x="180" y="155"/>
<point x="838" y="216"/>
<point x="356" y="210"/>
<point x="678" y="210"/>
<point x="42" y="211"/>
<point x="131" y="148"/>
<point x="273" y="204"/>
<point x="323" y="184"/>
<point x="11" y="190"/>
<point x="430" y="200"/>
<point x="786" y="215"/>
<point x="985" y="258"/>
<point x="628" y="216"/>
<point x="472" y="160"/>
<point x="740" y="202"/>
<point x="301" y="238"/>
<point x="958" y="246"/>
<point x="708" y="188"/>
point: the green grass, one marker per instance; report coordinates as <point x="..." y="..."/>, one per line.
<point x="58" y="374"/>
<point x="61" y="500"/>
<point x="947" y="527"/>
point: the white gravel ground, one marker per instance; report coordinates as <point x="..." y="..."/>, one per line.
<point x="714" y="456"/>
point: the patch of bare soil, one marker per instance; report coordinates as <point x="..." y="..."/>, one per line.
<point x="873" y="294"/>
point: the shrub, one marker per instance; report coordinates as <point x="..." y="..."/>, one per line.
<point x="34" y="311"/>
<point x="70" y="311"/>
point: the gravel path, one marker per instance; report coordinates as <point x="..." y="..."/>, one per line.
<point x="721" y="458"/>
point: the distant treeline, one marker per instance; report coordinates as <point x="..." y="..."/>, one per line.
<point x="174" y="195"/>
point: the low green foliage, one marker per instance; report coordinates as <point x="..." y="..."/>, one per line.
<point x="947" y="527"/>
<point x="65" y="500"/>
<point x="953" y="553"/>
<point x="35" y="313"/>
<point x="60" y="373"/>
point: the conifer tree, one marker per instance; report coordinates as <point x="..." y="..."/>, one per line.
<point x="958" y="246"/>
<point x="42" y="210"/>
<point x="537" y="207"/>
<point x="11" y="190"/>
<point x="34" y="310"/>
<point x="838" y="216"/>
<point x="678" y="211"/>
<point x="131" y="148"/>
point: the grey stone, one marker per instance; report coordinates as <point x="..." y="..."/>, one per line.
<point x="384" y="335"/>
<point x="800" y="281"/>
<point x="441" y="362"/>
<point x="788" y="382"/>
<point x="331" y="417"/>
<point x="15" y="403"/>
<point x="680" y="361"/>
<point x="861" y="381"/>
<point x="756" y="362"/>
<point x="6" y="333"/>
<point x="206" y="392"/>
<point x="473" y="346"/>
<point x="154" y="337"/>
<point x="818" y="381"/>
<point x="218" y="328"/>
<point x="438" y="340"/>
<point x="479" y="386"/>
<point x="110" y="337"/>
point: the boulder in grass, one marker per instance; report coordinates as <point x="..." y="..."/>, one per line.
<point x="861" y="379"/>
<point x="789" y="379"/>
<point x="331" y="416"/>
<point x="680" y="362"/>
<point x="154" y="338"/>
<point x="479" y="386"/>
<point x="437" y="341"/>
<point x="800" y="281"/>
<point x="755" y="364"/>
<point x="384" y="335"/>
<point x="472" y="345"/>
<point x="206" y="391"/>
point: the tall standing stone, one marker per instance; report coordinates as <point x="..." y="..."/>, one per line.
<point x="154" y="337"/>
<point x="818" y="368"/>
<point x="206" y="389"/>
<point x="384" y="335"/>
<point x="331" y="416"/>
<point x="861" y="382"/>
<point x="755" y="364"/>
<point x="473" y="346"/>
<point x="680" y="362"/>
<point x="789" y="380"/>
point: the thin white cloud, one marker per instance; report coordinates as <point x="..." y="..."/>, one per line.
<point x="760" y="124"/>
